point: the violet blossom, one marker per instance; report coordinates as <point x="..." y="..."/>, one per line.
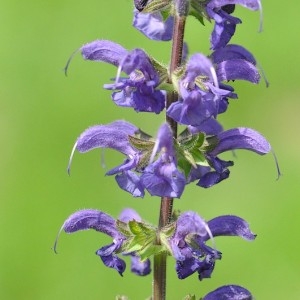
<point x="202" y="93"/>
<point x="139" y="89"/>
<point x="93" y="219"/>
<point x="192" y="232"/>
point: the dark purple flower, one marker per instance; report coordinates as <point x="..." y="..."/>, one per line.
<point x="236" y="138"/>
<point x="188" y="242"/>
<point x="139" y="89"/>
<point x="101" y="222"/>
<point x="229" y="292"/>
<point x="153" y="26"/>
<point x="225" y="24"/>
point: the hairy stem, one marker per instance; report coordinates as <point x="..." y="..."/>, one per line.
<point x="166" y="206"/>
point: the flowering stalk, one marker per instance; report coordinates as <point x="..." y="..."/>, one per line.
<point x="166" y="206"/>
<point x="193" y="91"/>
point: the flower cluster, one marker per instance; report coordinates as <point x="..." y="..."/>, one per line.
<point x="185" y="239"/>
<point x="163" y="163"/>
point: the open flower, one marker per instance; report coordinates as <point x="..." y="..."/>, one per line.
<point x="217" y="169"/>
<point x="139" y="89"/>
<point x="159" y="174"/>
<point x="188" y="244"/>
<point x="203" y="95"/>
<point x="101" y="222"/>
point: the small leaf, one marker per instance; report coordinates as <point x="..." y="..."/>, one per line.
<point x="123" y="228"/>
<point x="141" y="144"/>
<point x="189" y="297"/>
<point x="156" y="5"/>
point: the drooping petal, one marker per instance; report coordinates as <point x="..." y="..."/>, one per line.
<point x="104" y="51"/>
<point x="153" y="26"/>
<point x="229" y="292"/>
<point x="91" y="219"/>
<point x="111" y="260"/>
<point x="113" y="135"/>
<point x="130" y="182"/>
<point x="138" y="267"/>
<point x="163" y="179"/>
<point x="241" y="138"/>
<point x="229" y="225"/>
<point x="187" y="267"/>
<point x="209" y="179"/>
<point x="224" y="27"/>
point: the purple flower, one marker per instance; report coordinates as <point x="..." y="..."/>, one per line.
<point x="202" y="93"/>
<point x="229" y="292"/>
<point x="162" y="177"/>
<point x="101" y="222"/>
<point x="159" y="174"/>
<point x="225" y="24"/>
<point x="139" y="89"/>
<point x="237" y="138"/>
<point x="153" y="26"/>
<point x="188" y="242"/>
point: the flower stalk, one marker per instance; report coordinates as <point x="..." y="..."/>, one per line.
<point x="192" y="91"/>
<point x="166" y="206"/>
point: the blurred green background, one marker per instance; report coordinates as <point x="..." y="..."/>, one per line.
<point x="42" y="112"/>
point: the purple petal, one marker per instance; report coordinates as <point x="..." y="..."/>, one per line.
<point x="110" y="260"/>
<point x="210" y="127"/>
<point x="198" y="64"/>
<point x="237" y="69"/>
<point x="105" y="51"/>
<point x="190" y="222"/>
<point x="211" y="178"/>
<point x="250" y="4"/>
<point x="91" y="219"/>
<point x="230" y="52"/>
<point x="187" y="267"/>
<point x="163" y="179"/>
<point x="153" y="26"/>
<point x="151" y="101"/>
<point x="129" y="214"/>
<point x="138" y="267"/>
<point x="130" y="182"/>
<point x="229" y="292"/>
<point x="230" y="226"/>
<point x="241" y="138"/>
<point x="113" y="135"/>
<point x="224" y="27"/>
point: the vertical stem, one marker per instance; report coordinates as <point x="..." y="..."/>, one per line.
<point x="166" y="205"/>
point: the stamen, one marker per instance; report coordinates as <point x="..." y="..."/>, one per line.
<point x="277" y="165"/>
<point x="263" y="74"/>
<point x="56" y="239"/>
<point x="260" y="29"/>
<point x="69" y="60"/>
<point x="154" y="151"/>
<point x="71" y="158"/>
<point x="210" y="235"/>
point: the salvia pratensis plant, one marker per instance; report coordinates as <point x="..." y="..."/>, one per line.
<point x="192" y="90"/>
